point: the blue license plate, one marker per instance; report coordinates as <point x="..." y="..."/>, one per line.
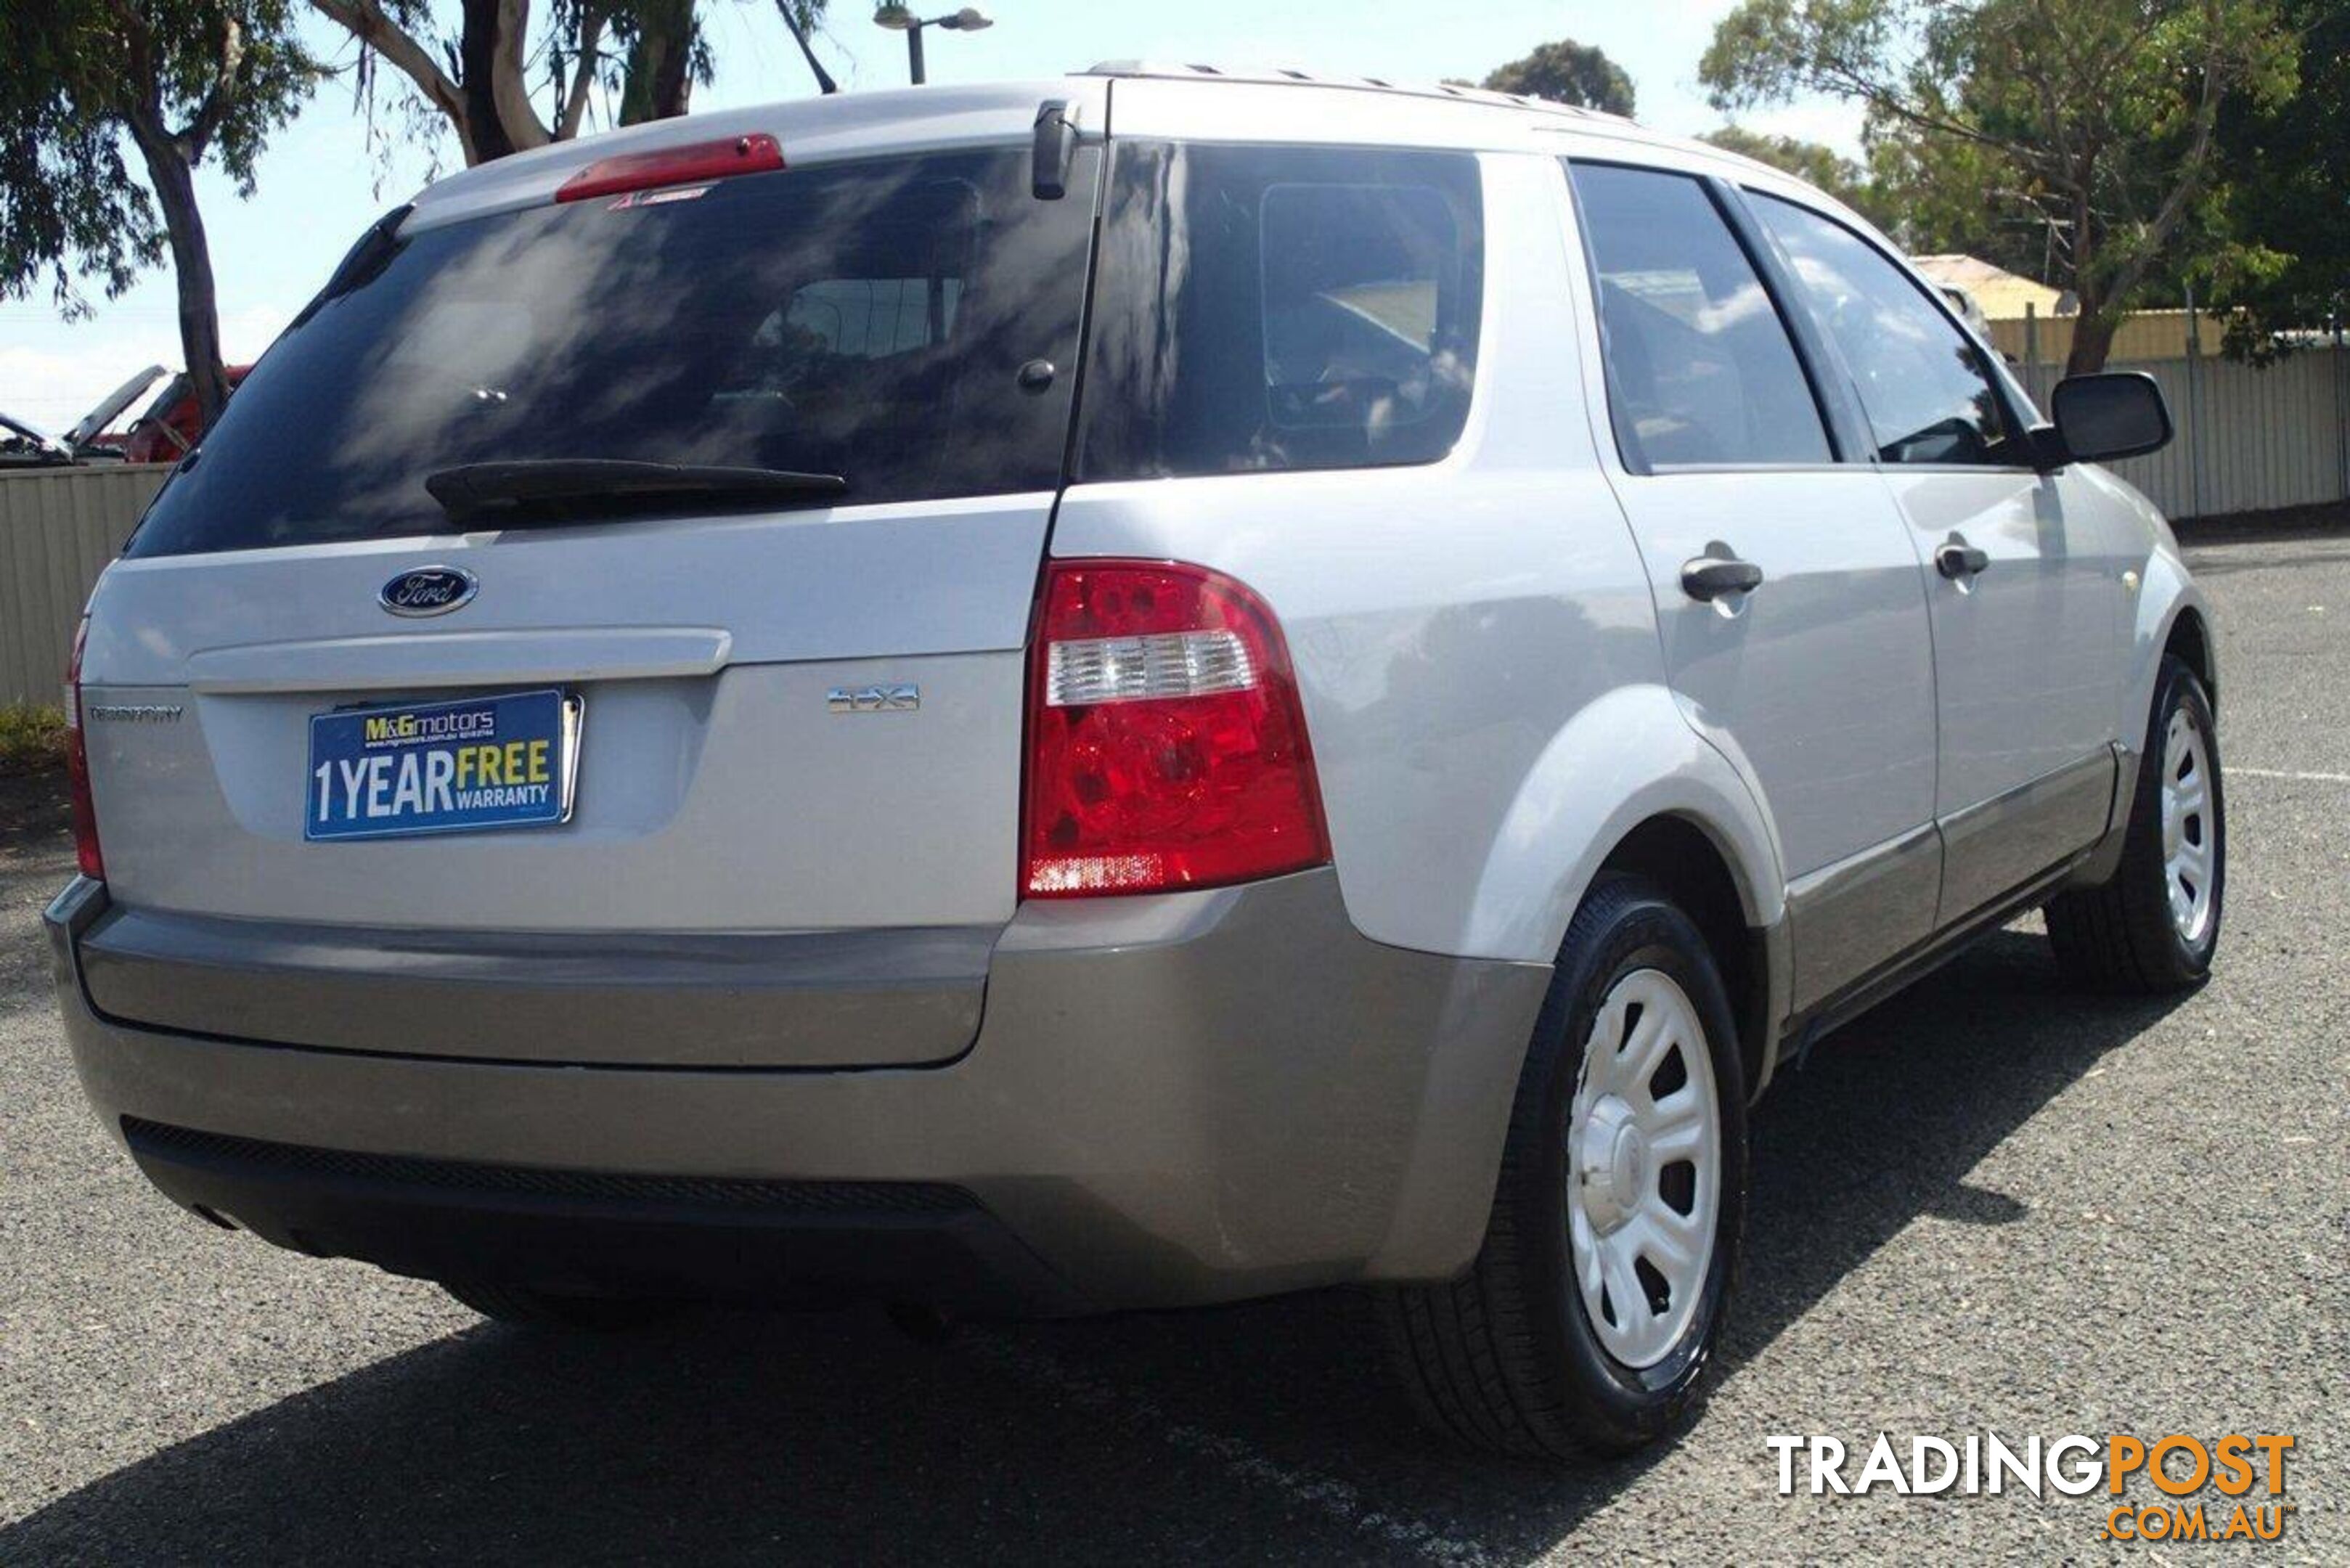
<point x="442" y="767"/>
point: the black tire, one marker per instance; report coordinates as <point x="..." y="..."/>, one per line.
<point x="525" y="1306"/>
<point x="1505" y="1359"/>
<point x="2120" y="936"/>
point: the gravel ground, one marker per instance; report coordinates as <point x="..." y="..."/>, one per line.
<point x="1992" y="1204"/>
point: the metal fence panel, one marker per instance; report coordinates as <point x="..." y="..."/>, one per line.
<point x="2249" y="440"/>
<point x="58" y="528"/>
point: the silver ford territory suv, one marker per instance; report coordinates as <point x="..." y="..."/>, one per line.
<point x="1135" y="690"/>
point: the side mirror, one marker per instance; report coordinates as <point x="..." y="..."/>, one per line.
<point x="2101" y="418"/>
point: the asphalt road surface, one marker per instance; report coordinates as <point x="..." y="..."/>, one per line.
<point x="1993" y="1204"/>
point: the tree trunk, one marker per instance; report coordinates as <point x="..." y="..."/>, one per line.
<point x="673" y="84"/>
<point x="660" y="76"/>
<point x="365" y="21"/>
<point x="477" y="68"/>
<point x="2092" y="339"/>
<point x="824" y="82"/>
<point x="174" y="179"/>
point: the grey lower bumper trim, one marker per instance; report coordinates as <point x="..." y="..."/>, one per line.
<point x="814" y="1000"/>
<point x="592" y="1232"/>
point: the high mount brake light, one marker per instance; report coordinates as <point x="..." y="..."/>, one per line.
<point x="758" y="153"/>
<point x="85" y="810"/>
<point x="1166" y="747"/>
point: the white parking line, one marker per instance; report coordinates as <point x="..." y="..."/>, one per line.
<point x="2236" y="772"/>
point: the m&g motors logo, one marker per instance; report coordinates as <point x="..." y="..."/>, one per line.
<point x="2176" y="1487"/>
<point x="381" y="729"/>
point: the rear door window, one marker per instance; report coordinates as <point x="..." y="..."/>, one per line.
<point x="867" y="319"/>
<point x="1286" y="307"/>
<point x="1700" y="370"/>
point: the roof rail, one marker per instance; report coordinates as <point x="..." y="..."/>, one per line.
<point x="1289" y="76"/>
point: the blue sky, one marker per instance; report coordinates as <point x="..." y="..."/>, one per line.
<point x="321" y="181"/>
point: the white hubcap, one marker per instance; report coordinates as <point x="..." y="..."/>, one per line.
<point x="2190" y="839"/>
<point x="1644" y="1169"/>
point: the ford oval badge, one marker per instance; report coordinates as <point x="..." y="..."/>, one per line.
<point x="429" y="590"/>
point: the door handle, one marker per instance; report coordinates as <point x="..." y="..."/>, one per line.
<point x="1955" y="558"/>
<point x="1716" y="573"/>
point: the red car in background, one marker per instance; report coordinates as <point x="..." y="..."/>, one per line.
<point x="172" y="423"/>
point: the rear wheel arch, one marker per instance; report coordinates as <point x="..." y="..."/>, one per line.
<point x="1513" y="1356"/>
<point x="1681" y="857"/>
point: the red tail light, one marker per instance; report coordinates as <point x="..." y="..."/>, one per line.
<point x="85" y="811"/>
<point x="686" y="165"/>
<point x="1166" y="745"/>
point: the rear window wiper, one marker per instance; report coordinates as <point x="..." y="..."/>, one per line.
<point x="559" y="490"/>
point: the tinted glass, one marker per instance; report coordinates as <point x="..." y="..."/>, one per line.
<point x="1921" y="381"/>
<point x="1282" y="307"/>
<point x="19" y="446"/>
<point x="866" y="319"/>
<point x="1700" y="368"/>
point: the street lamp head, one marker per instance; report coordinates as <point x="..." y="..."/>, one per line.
<point x="894" y="16"/>
<point x="970" y="19"/>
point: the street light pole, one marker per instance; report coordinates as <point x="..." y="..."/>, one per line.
<point x="900" y="18"/>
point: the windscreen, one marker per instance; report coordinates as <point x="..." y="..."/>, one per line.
<point x="869" y="320"/>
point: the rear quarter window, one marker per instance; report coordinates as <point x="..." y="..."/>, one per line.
<point x="1266" y="308"/>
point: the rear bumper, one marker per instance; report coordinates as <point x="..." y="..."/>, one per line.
<point x="831" y="998"/>
<point x="1171" y="1100"/>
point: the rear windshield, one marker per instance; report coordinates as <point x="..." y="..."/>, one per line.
<point x="1282" y="307"/>
<point x="869" y="320"/>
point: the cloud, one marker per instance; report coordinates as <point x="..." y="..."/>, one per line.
<point x="53" y="383"/>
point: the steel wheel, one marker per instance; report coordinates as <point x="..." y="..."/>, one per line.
<point x="2153" y="924"/>
<point x="2187" y="826"/>
<point x="1587" y="1324"/>
<point x="1644" y="1163"/>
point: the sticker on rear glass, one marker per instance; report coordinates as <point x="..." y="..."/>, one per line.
<point x="658" y="198"/>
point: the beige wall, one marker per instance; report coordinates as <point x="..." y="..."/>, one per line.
<point x="58" y="527"/>
<point x="2143" y="335"/>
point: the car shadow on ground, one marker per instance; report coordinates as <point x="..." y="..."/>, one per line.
<point x="1252" y="1433"/>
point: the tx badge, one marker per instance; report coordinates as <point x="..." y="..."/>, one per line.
<point x="887" y="697"/>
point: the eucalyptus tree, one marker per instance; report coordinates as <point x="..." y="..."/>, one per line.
<point x="2096" y="122"/>
<point x="107" y="108"/>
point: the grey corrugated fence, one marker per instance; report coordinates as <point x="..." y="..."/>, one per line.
<point x="2249" y="440"/>
<point x="58" y="527"/>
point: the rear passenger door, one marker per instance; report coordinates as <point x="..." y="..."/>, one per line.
<point x="1728" y="454"/>
<point x="2025" y="585"/>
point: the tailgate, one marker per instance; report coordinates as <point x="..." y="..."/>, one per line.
<point x="791" y="727"/>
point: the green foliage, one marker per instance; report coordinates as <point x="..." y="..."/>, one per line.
<point x="1837" y="175"/>
<point x="1567" y="72"/>
<point x="207" y="78"/>
<point x="1946" y="194"/>
<point x="2289" y="182"/>
<point x="68" y="206"/>
<point x="2085" y="128"/>
<point x="32" y="738"/>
